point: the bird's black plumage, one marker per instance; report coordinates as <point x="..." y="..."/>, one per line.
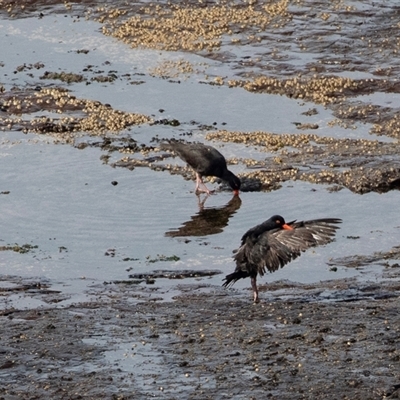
<point x="205" y="161"/>
<point x="274" y="243"/>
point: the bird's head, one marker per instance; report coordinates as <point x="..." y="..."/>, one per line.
<point x="234" y="183"/>
<point x="279" y="222"/>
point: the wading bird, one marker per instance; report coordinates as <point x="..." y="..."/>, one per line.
<point x="205" y="161"/>
<point x="274" y="243"/>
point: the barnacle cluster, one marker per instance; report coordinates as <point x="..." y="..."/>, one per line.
<point x="390" y="127"/>
<point x="173" y="69"/>
<point x="193" y="28"/>
<point x="78" y="115"/>
<point x="306" y="141"/>
<point x="347" y="162"/>
<point x="319" y="89"/>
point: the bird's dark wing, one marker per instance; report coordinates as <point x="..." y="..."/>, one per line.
<point x="206" y="160"/>
<point x="286" y="245"/>
<point x="266" y="254"/>
<point x="306" y="234"/>
<point x="271" y="250"/>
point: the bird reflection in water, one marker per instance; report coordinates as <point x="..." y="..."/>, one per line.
<point x="208" y="221"/>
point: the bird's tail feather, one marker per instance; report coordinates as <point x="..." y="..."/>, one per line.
<point x="235" y="276"/>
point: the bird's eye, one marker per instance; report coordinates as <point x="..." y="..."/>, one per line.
<point x="277" y="221"/>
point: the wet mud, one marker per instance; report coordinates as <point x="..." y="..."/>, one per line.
<point x="335" y="339"/>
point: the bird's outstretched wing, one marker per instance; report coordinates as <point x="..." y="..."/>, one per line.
<point x="273" y="249"/>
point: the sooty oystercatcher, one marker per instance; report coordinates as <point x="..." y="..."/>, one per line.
<point x="205" y="161"/>
<point x="274" y="243"/>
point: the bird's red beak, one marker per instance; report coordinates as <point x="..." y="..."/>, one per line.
<point x="236" y="192"/>
<point x="287" y="227"/>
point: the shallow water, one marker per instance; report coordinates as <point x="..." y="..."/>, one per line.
<point x="62" y="200"/>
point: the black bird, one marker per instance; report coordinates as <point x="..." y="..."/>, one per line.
<point x="205" y="161"/>
<point x="274" y="243"/>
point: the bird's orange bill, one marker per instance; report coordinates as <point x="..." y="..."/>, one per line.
<point x="236" y="192"/>
<point x="287" y="227"/>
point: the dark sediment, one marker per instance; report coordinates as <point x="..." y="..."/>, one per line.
<point x="337" y="339"/>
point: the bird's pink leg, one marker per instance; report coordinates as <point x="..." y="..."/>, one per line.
<point x="255" y="289"/>
<point x="201" y="202"/>
<point x="200" y="186"/>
